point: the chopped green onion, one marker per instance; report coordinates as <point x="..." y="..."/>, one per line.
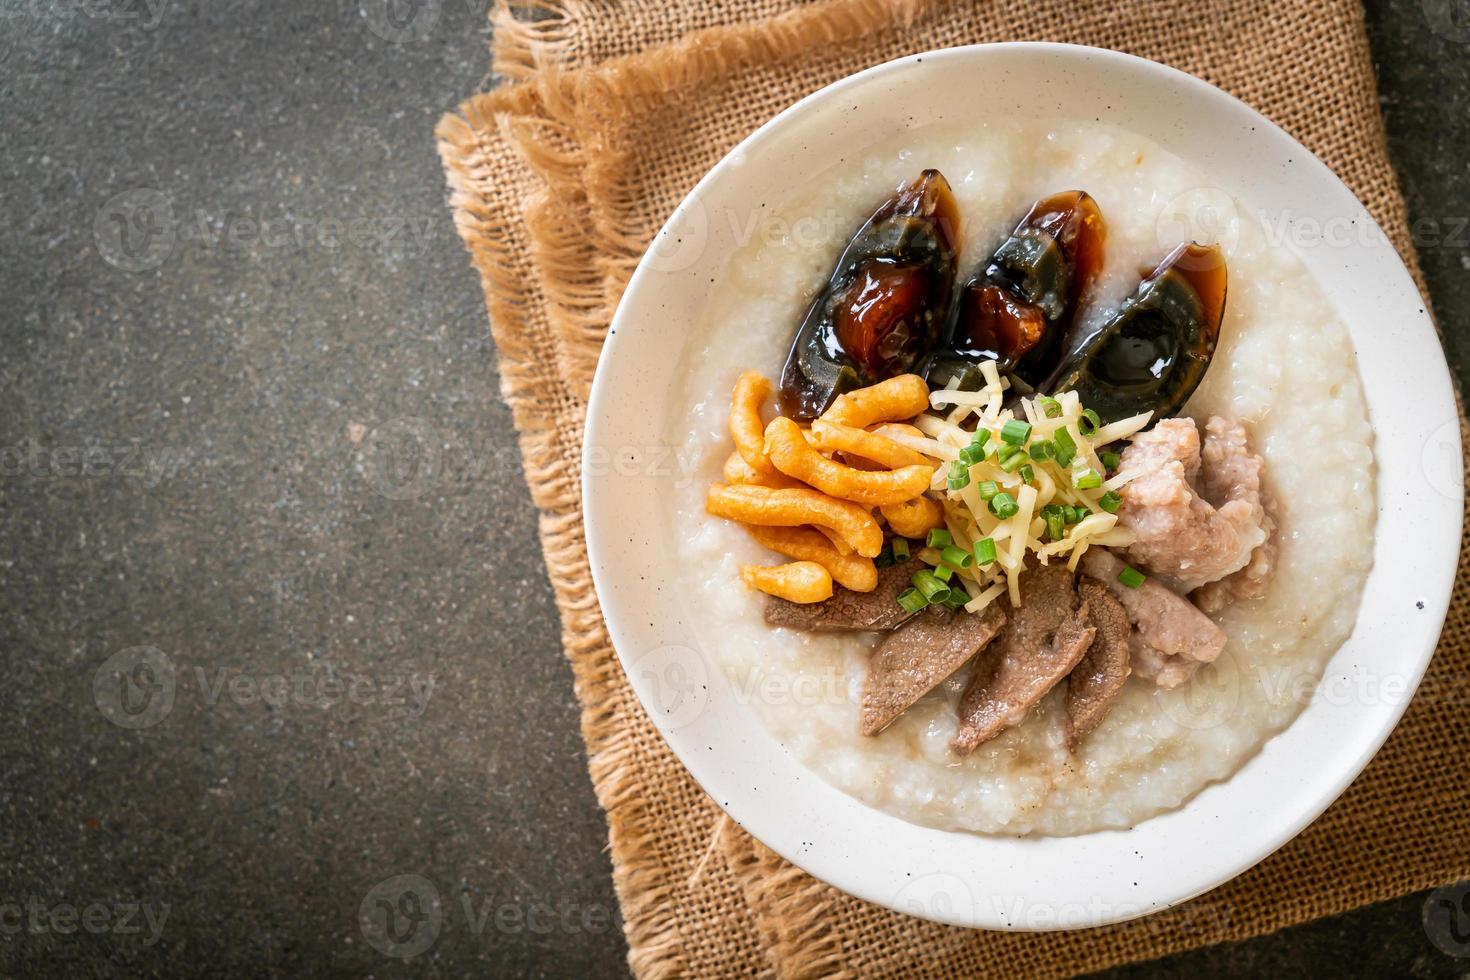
<point x="1066" y="448"/>
<point x="885" y="557"/>
<point x="956" y="556"/>
<point x="900" y="549"/>
<point x="1014" y="461"/>
<point x="938" y="538"/>
<point x="972" y="454"/>
<point x="1110" y="502"/>
<point x="943" y="572"/>
<point x="1043" y="449"/>
<point x="957" y="598"/>
<point x="1092" y="421"/>
<point x="1089" y="479"/>
<point x="1056" y="525"/>
<point x="1003" y="505"/>
<point x="1015" y="432"/>
<point x="912" y="600"/>
<point x="959" y="475"/>
<point x="1074" y="515"/>
<point x="1027" y="473"/>
<point x="1131" y="577"/>
<point x="930" y="586"/>
<point x="987" y="488"/>
<point x="985" y="551"/>
<point x="1050" y="407"/>
<point x="981" y="438"/>
<point x="1109" y="459"/>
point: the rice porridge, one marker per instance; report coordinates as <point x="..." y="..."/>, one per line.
<point x="1284" y="366"/>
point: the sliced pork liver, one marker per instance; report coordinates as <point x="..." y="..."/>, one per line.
<point x="1099" y="678"/>
<point x="917" y="657"/>
<point x="1041" y="644"/>
<point x="1171" y="637"/>
<point x="849" y="611"/>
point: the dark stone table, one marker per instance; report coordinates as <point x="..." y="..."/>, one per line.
<point x="198" y="497"/>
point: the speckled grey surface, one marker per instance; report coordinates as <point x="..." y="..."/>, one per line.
<point x="275" y="631"/>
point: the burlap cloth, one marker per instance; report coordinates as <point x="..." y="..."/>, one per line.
<point x="560" y="177"/>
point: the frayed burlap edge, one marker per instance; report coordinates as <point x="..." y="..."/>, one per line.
<point x="529" y="36"/>
<point x="586" y="273"/>
<point x="474" y="147"/>
<point x="650" y="931"/>
<point x="583" y="275"/>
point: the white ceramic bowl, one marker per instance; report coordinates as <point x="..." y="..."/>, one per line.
<point x="1041" y="882"/>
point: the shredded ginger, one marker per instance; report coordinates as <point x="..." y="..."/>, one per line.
<point x="1026" y="535"/>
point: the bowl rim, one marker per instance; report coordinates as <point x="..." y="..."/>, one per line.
<point x="622" y="598"/>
